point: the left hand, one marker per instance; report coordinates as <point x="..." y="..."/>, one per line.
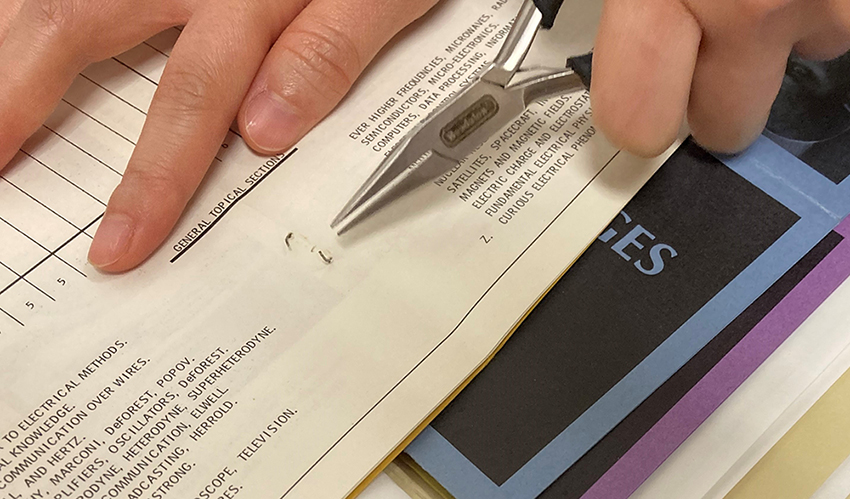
<point x="281" y="65"/>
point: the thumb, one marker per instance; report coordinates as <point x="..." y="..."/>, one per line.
<point x="314" y="63"/>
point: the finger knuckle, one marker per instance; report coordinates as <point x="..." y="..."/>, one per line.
<point x="188" y="89"/>
<point x="157" y="184"/>
<point x="325" y="58"/>
<point x="56" y="17"/>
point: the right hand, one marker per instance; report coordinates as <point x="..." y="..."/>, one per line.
<point x="717" y="63"/>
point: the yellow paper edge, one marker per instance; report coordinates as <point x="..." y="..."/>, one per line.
<point x="398" y="450"/>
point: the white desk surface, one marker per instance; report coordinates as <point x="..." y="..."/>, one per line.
<point x="383" y="488"/>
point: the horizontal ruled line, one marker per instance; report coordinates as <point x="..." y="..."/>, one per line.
<point x="113" y="94"/>
<point x="226" y="210"/>
<point x="10" y="269"/>
<point x="12" y="317"/>
<point x="92" y="156"/>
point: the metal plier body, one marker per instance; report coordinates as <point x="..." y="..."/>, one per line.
<point x="468" y="120"/>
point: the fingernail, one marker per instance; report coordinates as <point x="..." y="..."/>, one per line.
<point x="111" y="241"/>
<point x="271" y="123"/>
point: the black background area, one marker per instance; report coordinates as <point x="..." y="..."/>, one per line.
<point x="605" y="316"/>
<point x="831" y="157"/>
<point x="587" y="470"/>
<point x="811" y="115"/>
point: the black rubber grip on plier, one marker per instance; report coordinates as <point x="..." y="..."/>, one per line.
<point x="582" y="65"/>
<point x="549" y="9"/>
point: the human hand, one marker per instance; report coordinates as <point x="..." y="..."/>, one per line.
<point x="719" y="63"/>
<point x="280" y="65"/>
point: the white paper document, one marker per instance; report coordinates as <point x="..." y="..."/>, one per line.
<point x="257" y="354"/>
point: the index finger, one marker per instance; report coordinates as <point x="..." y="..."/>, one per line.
<point x="205" y="80"/>
<point x="643" y="60"/>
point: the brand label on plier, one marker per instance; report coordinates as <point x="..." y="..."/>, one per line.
<point x="469" y="121"/>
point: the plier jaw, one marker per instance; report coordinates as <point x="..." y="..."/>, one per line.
<point x="465" y="122"/>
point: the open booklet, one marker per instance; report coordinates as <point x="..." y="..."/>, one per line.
<point x="257" y="354"/>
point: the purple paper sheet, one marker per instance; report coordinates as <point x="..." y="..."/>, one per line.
<point x="697" y="405"/>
